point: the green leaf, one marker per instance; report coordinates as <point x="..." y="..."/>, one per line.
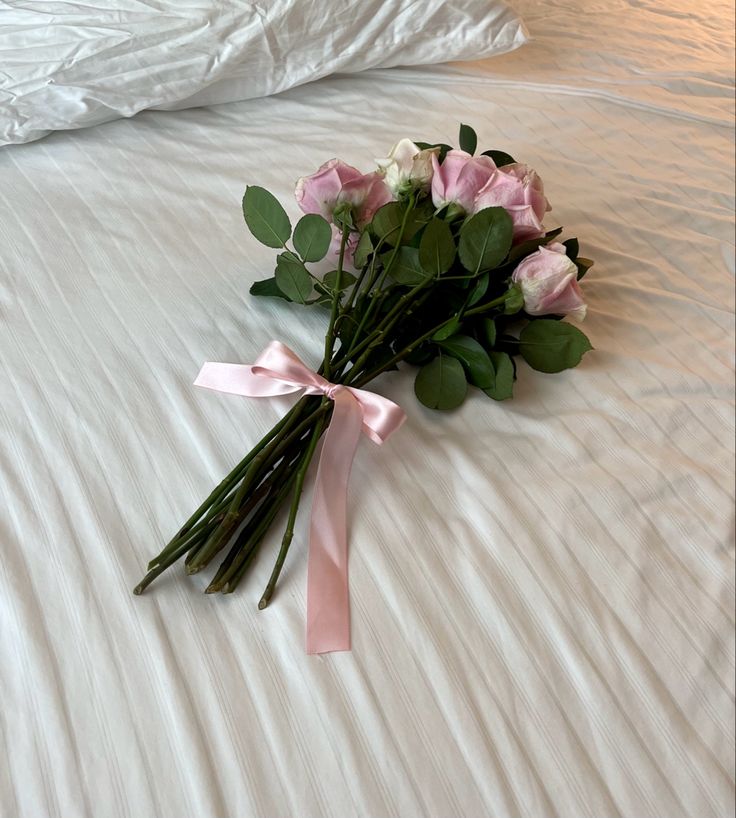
<point x="444" y="148"/>
<point x="473" y="357"/>
<point x="551" y="346"/>
<point x="468" y="139"/>
<point x="406" y="268"/>
<point x="532" y="245"/>
<point x="441" y="384"/>
<point x="449" y="329"/>
<point x="503" y="386"/>
<point x="505" y="342"/>
<point x="423" y="354"/>
<point x="346" y="280"/>
<point x="312" y="237"/>
<point x="583" y="265"/>
<point x="479" y="289"/>
<point x="323" y="299"/>
<point x="293" y="278"/>
<point x="265" y="217"/>
<point x="363" y="249"/>
<point x="387" y="221"/>
<point x="500" y="158"/>
<point x="269" y="288"/>
<point x="572" y="248"/>
<point x="485" y="239"/>
<point x="487" y="333"/>
<point x="437" y="248"/>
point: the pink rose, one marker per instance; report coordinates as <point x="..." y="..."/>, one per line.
<point x="519" y="190"/>
<point x="366" y="194"/>
<point x="319" y="192"/>
<point x="459" y="178"/>
<point x="337" y="183"/>
<point x="549" y="283"/>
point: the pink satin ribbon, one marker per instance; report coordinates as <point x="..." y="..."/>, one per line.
<point x="278" y="371"/>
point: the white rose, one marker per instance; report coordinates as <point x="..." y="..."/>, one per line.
<point x="407" y="167"/>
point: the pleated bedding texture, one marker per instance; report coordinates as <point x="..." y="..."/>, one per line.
<point x="70" y="64"/>
<point x="542" y="589"/>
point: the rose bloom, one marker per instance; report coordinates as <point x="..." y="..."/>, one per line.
<point x="549" y="283"/>
<point x="459" y="178"/>
<point x="519" y="190"/>
<point x="407" y="167"/>
<point x="337" y="183"/>
<point x="474" y="183"/>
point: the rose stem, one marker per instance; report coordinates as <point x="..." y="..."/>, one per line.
<point x="242" y="549"/>
<point x="259" y="493"/>
<point x="368" y="269"/>
<point x="289" y="533"/>
<point x="382" y="329"/>
<point x="265" y="453"/>
<point x="253" y="501"/>
<point x="358" y="382"/>
<point x="266" y="456"/>
<point x="185" y="544"/>
<point x="194" y="538"/>
<point x="282" y="447"/>
<point x="316" y="433"/>
<point x="330" y="334"/>
<point x="272" y="489"/>
<point x="223" y="504"/>
<point x="235" y="572"/>
<point x="171" y="558"/>
<point x="162" y="566"/>
<point x="366" y="314"/>
<point x="200" y="531"/>
<point x="228" y="482"/>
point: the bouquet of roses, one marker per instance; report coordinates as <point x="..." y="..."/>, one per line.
<point x="440" y="260"/>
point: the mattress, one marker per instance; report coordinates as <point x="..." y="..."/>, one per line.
<point x="542" y="589"/>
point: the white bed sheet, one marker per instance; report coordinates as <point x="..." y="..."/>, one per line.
<point x="542" y="590"/>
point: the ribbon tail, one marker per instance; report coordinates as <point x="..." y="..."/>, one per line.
<point x="328" y="603"/>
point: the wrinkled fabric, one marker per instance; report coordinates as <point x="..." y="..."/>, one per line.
<point x="542" y="589"/>
<point x="67" y="64"/>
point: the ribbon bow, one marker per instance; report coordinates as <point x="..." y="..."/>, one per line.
<point x="278" y="371"/>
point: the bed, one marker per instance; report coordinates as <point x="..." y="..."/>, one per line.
<point x="559" y="642"/>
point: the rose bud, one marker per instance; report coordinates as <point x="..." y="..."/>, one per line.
<point x="548" y="280"/>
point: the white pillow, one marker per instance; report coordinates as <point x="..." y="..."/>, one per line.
<point x="67" y="64"/>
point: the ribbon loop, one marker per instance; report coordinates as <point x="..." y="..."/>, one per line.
<point x="279" y="371"/>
